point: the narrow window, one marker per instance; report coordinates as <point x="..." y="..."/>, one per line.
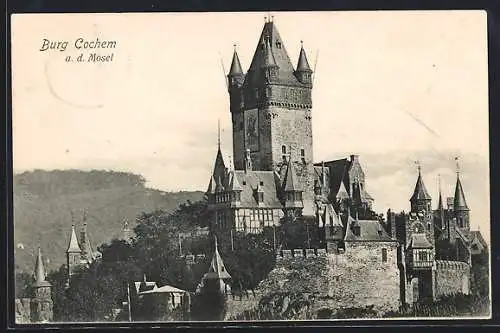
<point x="283" y="149"/>
<point x="384" y="255"/>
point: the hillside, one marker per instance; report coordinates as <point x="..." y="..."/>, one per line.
<point x="45" y="200"/>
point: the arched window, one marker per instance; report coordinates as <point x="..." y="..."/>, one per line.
<point x="384" y="255"/>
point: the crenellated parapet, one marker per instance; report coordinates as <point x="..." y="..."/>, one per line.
<point x="451" y="264"/>
<point x="300" y="253"/>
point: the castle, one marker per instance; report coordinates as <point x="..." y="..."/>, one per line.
<point x="276" y="180"/>
<point x="37" y="309"/>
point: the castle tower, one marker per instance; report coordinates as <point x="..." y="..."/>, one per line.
<point x="420" y="200"/>
<point x="41" y="304"/>
<point x="73" y="253"/>
<point x="271" y="111"/>
<point x="460" y="208"/>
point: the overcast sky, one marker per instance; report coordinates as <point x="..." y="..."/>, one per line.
<point x="394" y="87"/>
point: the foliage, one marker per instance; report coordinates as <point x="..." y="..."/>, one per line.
<point x="480" y="274"/>
<point x="458" y="305"/>
<point x="24" y="285"/>
<point x="45" y="200"/>
<point x="209" y="304"/>
<point x="300" y="233"/>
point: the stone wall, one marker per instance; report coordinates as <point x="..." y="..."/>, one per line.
<point x="452" y="277"/>
<point x="23" y="311"/>
<point x="357" y="278"/>
<point x="240" y="303"/>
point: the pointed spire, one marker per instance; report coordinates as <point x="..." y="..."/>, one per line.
<point x="459" y="202"/>
<point x="218" y="134"/>
<point x="234" y="184"/>
<point x="73" y="242"/>
<point x="235" y="69"/>
<point x="40" y="277"/>
<point x="219" y="165"/>
<point x="269" y="60"/>
<point x="303" y="64"/>
<point x="420" y="192"/>
<point x="217" y="270"/>
<point x="440" y="198"/>
<point x="291" y="184"/>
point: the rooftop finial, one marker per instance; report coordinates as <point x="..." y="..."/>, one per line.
<point x="265" y="19"/>
<point x="458" y="165"/>
<point x="234" y="47"/>
<point x="218" y="133"/>
<point x="439" y="182"/>
<point x="419" y="167"/>
<point x="301" y="43"/>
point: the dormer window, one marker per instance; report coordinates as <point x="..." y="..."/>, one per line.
<point x="278" y="44"/>
<point x="262" y="46"/>
<point x="283" y="153"/>
<point x="244" y="182"/>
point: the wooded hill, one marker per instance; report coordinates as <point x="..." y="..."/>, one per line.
<point x="44" y="202"/>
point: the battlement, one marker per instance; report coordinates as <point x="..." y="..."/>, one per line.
<point x="192" y="259"/>
<point x="451" y="264"/>
<point x="300" y="253"/>
<point x="244" y="295"/>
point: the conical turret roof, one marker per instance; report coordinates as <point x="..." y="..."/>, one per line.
<point x="217" y="270"/>
<point x="420" y="192"/>
<point x="459" y="202"/>
<point x="303" y="64"/>
<point x="40" y="277"/>
<point x="73" y="242"/>
<point x="235" y="65"/>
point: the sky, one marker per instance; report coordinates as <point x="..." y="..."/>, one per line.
<point x="393" y="87"/>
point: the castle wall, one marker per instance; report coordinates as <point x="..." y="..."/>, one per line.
<point x="357" y="278"/>
<point x="452" y="277"/>
<point x="237" y="304"/>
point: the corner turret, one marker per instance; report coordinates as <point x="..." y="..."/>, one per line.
<point x="420" y="200"/>
<point x="303" y="71"/>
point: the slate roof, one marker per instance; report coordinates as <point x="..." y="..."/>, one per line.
<point x="302" y="63"/>
<point x="73" y="242"/>
<point x="235" y="65"/>
<point x="459" y="202"/>
<point x="164" y="289"/>
<point x="217" y="270"/>
<point x="419" y="241"/>
<point x="476" y="235"/>
<point x="369" y="232"/>
<point x="420" y="192"/>
<point x="337" y="172"/>
<point x="250" y="180"/>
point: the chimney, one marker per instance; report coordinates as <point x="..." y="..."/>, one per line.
<point x="391" y="221"/>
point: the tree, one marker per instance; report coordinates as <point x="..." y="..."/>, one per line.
<point x="24" y="285"/>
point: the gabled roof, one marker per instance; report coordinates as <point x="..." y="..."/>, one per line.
<point x="73" y="246"/>
<point x="420" y="192"/>
<point x="161" y="290"/>
<point x="217" y="270"/>
<point x="234" y="184"/>
<point x="330" y="217"/>
<point x="250" y="180"/>
<point x="476" y="235"/>
<point x="459" y="202"/>
<point x="279" y="55"/>
<point x="370" y="231"/>
<point x="337" y="173"/>
<point x="342" y="192"/>
<point x="419" y="241"/>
